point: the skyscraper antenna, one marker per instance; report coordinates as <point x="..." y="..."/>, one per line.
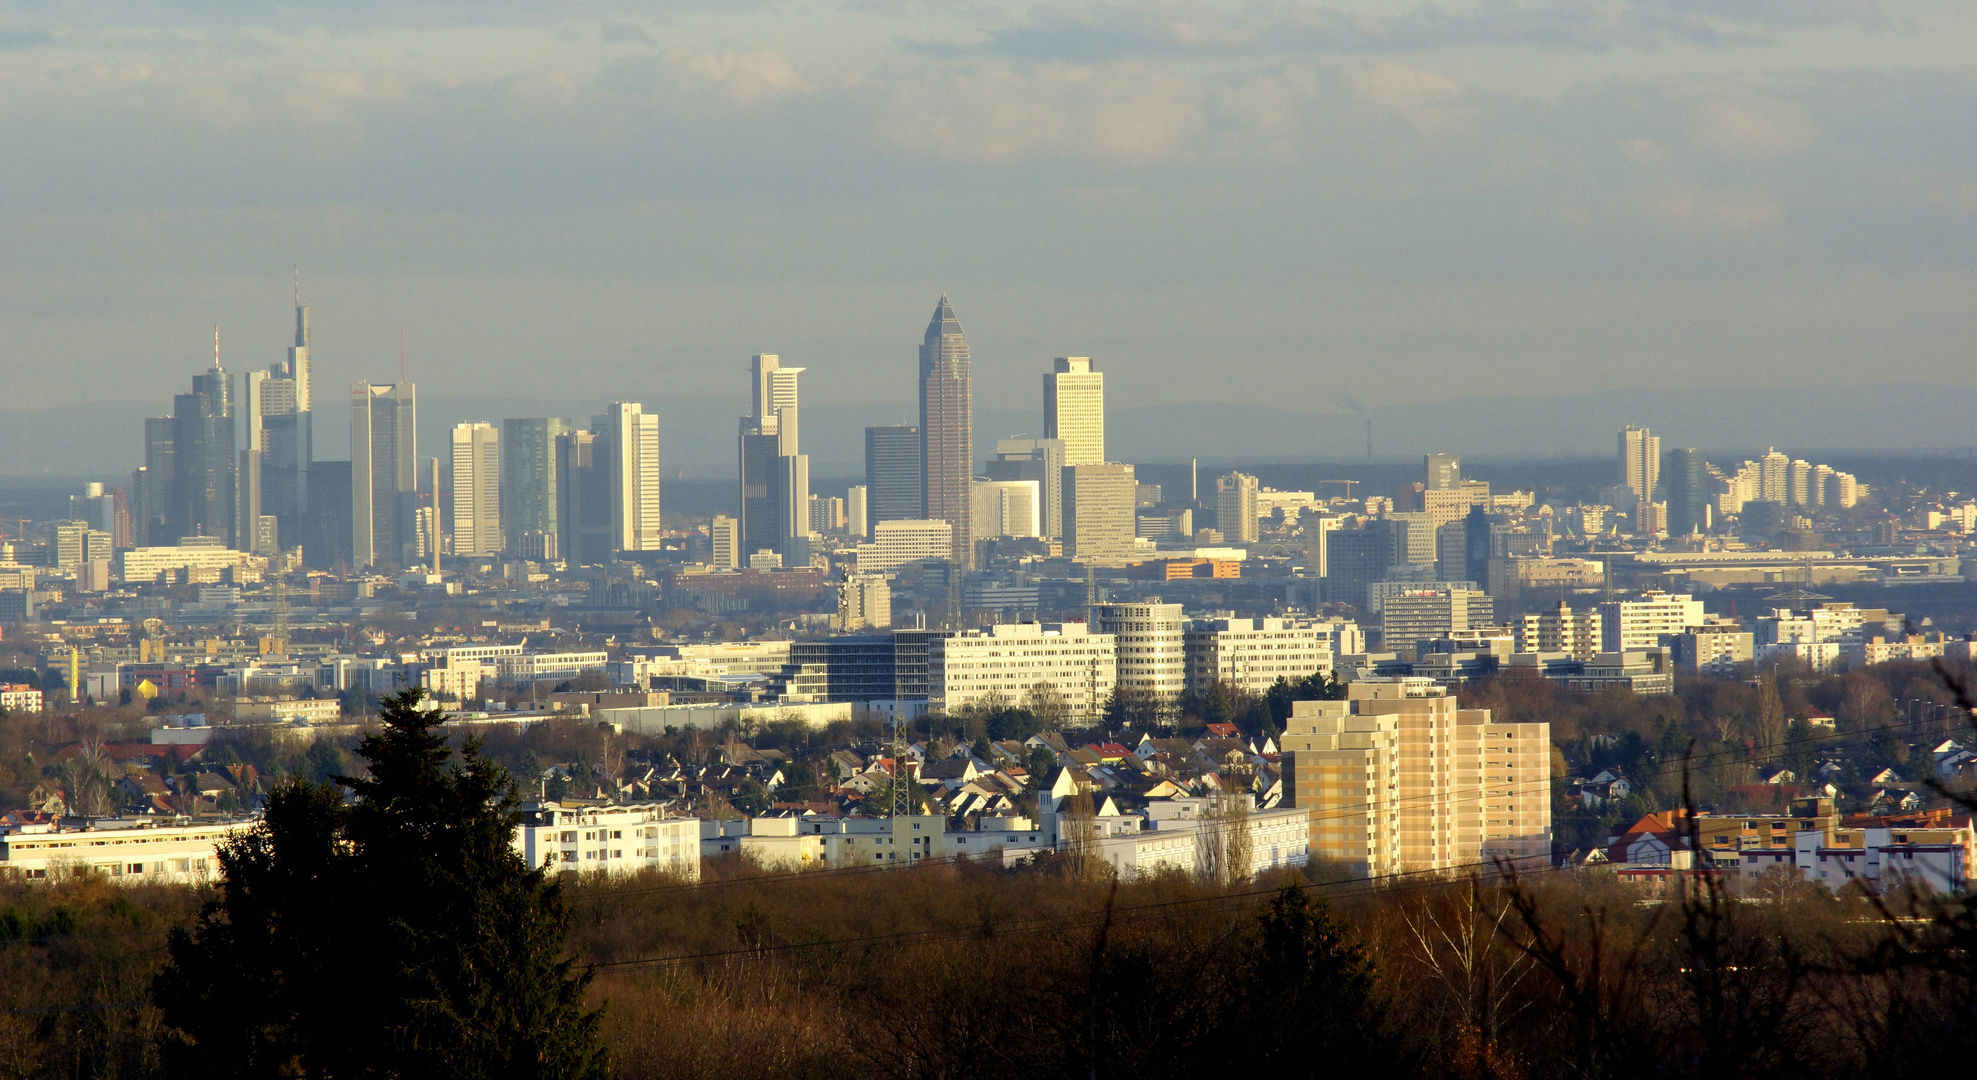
<point x="298" y="286"/>
<point x="216" y="344"/>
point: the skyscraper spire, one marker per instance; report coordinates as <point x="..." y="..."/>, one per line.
<point x="947" y="429"/>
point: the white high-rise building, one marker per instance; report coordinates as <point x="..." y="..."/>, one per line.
<point x="724" y="543"/>
<point x="633" y="435"/>
<point x="864" y="603"/>
<point x="1774" y="477"/>
<point x="1235" y="508"/>
<point x="1643" y="622"/>
<point x="855" y="499"/>
<point x="477" y="490"/>
<point x="1008" y="508"/>
<point x="1151" y="642"/>
<point x="1074" y="409"/>
<point x="1640" y="462"/>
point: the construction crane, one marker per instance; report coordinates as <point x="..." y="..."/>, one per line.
<point x="1348" y="485"/>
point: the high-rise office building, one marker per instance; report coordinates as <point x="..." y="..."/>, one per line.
<point x="724" y="543"/>
<point x="384" y="474"/>
<point x="477" y="490"/>
<point x="855" y="498"/>
<point x="1007" y="508"/>
<point x="1074" y="409"/>
<point x="947" y="430"/>
<point x="191" y="465"/>
<point x="1039" y="460"/>
<point x="1235" y="507"/>
<point x="1099" y="526"/>
<point x="1443" y="471"/>
<point x="156" y="485"/>
<point x="326" y="529"/>
<point x="633" y="435"/>
<point x="583" y="498"/>
<point x="528" y="485"/>
<point x="775" y="473"/>
<point x="1685" y="480"/>
<point x="894" y="490"/>
<point x="280" y="445"/>
<point x="1640" y="462"/>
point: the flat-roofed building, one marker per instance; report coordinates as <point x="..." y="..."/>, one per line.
<point x="1151" y="644"/>
<point x="898" y="542"/>
<point x="1342" y="768"/>
<point x="1253" y="654"/>
<point x="1008" y="660"/>
<point x="609" y="840"/>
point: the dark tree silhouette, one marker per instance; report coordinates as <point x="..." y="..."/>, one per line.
<point x="400" y="935"/>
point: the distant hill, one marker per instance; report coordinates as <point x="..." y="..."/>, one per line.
<point x="697" y="433"/>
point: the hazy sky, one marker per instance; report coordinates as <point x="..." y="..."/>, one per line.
<point x="1311" y="205"/>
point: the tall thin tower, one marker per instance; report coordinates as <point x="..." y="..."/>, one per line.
<point x="947" y="429"/>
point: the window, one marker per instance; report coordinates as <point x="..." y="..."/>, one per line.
<point x="569" y="856"/>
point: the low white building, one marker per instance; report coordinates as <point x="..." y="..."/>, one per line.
<point x="1008" y="660"/>
<point x="127" y="851"/>
<point x="1931" y="859"/>
<point x="1254" y="653"/>
<point x="609" y="839"/>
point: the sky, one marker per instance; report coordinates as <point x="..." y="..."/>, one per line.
<point x="1323" y="207"/>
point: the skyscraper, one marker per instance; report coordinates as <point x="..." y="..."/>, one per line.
<point x="1685" y="479"/>
<point x="1098" y="514"/>
<point x="1041" y="460"/>
<point x="476" y="525"/>
<point x="1640" y="462"/>
<point x="775" y="473"/>
<point x="384" y="474"/>
<point x="1443" y="471"/>
<point x="894" y="490"/>
<point x="947" y="430"/>
<point x="1074" y="409"/>
<point x="633" y="435"/>
<point x="198" y="493"/>
<point x="1235" y="507"/>
<point x="528" y="486"/>
<point x="583" y="498"/>
<point x="157" y="484"/>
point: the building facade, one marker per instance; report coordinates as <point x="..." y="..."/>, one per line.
<point x="947" y="431"/>
<point x="1150" y="641"/>
<point x="1007" y="661"/>
<point x="476" y="525"/>
<point x="1074" y="409"/>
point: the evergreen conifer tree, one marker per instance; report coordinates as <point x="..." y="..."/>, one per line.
<point x="398" y="936"/>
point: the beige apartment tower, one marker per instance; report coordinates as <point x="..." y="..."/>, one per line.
<point x="1342" y="767"/>
<point x="1074" y="409"/>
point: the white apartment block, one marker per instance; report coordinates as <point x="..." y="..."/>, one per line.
<point x="1009" y="659"/>
<point x="615" y="840"/>
<point x="533" y="666"/>
<point x="1576" y="633"/>
<point x="127" y="852"/>
<point x="896" y="543"/>
<point x="1643" y="622"/>
<point x="1151" y="644"/>
<point x="202" y="561"/>
<point x="19" y="697"/>
<point x="1254" y="653"/>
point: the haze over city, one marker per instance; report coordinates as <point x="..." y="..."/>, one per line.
<point x="597" y="540"/>
<point x="1329" y="208"/>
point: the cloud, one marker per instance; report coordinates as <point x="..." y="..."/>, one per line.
<point x="1108" y="31"/>
<point x="998" y="112"/>
<point x="613" y="33"/>
<point x="1754" y="128"/>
